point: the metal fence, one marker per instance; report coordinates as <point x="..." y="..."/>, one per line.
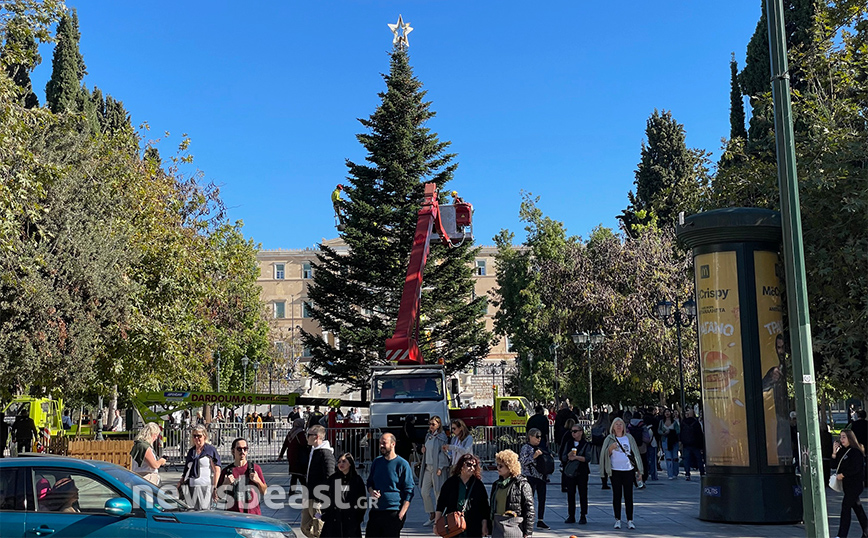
<point x="265" y="442"/>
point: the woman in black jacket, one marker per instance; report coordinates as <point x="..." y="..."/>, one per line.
<point x="575" y="475"/>
<point x="511" y="500"/>
<point x="850" y="456"/>
<point x="347" y="501"/>
<point x="464" y="491"/>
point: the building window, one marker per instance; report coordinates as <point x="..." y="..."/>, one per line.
<point x="280" y="309"/>
<point x="305" y="309"/>
<point x="279" y="271"/>
<point x="508" y="344"/>
<point x="306" y="270"/>
<point x="480" y="267"/>
<point x="305" y="352"/>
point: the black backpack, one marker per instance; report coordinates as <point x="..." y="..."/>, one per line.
<point x="636" y="432"/>
<point x="545" y="463"/>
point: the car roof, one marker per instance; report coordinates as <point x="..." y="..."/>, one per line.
<point x="32" y="459"/>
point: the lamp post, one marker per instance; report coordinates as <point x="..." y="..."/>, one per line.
<point x="554" y="349"/>
<point x="503" y="376"/>
<point x="589" y="342"/>
<point x="678" y="317"/>
<point x="218" y="370"/>
<point x="244" y="362"/>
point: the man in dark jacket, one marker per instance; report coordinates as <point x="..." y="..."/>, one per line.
<point x="692" y="443"/>
<point x="24" y="432"/>
<point x="564" y="413"/>
<point x="320" y="467"/>
<point x="541" y="422"/>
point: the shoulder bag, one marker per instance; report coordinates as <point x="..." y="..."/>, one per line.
<point x="834" y="483"/>
<point x="453" y="523"/>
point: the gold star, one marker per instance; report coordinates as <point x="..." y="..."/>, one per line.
<point x="400" y="31"/>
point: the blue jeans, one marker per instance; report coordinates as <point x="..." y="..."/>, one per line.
<point x="651" y="462"/>
<point x="692" y="458"/>
<point x="671" y="453"/>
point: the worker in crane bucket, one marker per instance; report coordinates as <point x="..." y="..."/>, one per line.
<point x="336" y="202"/>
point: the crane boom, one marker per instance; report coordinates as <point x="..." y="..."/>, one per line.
<point x="402" y="348"/>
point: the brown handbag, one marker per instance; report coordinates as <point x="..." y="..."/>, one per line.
<point x="453" y="523"/>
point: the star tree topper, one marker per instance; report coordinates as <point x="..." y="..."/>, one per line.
<point x="401" y="29"/>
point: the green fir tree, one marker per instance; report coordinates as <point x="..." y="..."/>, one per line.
<point x="736" y="104"/>
<point x="63" y="91"/>
<point x="356" y="294"/>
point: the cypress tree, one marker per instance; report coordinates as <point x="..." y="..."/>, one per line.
<point x="356" y="294"/>
<point x="736" y="104"/>
<point x="116" y="117"/>
<point x="20" y="56"/>
<point x="63" y="91"/>
<point x="666" y="181"/>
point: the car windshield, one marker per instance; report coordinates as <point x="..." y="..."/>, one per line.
<point x="423" y="386"/>
<point x="151" y="494"/>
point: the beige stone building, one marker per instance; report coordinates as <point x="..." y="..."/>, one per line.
<point x="284" y="277"/>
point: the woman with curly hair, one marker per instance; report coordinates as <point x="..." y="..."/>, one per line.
<point x="464" y="491"/>
<point x="511" y="499"/>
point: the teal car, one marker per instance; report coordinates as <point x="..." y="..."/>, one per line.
<point x="58" y="496"/>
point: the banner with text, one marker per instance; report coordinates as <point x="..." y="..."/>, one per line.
<point x="772" y="357"/>
<point x="721" y="363"/>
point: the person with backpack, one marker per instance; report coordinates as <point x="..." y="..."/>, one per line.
<point x="536" y="464"/>
<point x="575" y="456"/>
<point x="243" y="480"/>
<point x="642" y="436"/>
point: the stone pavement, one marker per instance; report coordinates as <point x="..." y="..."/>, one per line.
<point x="664" y="508"/>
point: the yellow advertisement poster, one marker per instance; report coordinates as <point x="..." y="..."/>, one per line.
<point x="772" y="349"/>
<point x="721" y="361"/>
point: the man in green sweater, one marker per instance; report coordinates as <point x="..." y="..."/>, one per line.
<point x="390" y="485"/>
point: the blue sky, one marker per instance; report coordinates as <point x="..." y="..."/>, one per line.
<point x="547" y="97"/>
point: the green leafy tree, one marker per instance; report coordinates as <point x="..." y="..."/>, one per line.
<point x="670" y="178"/>
<point x="356" y="294"/>
<point x="64" y="88"/>
<point x="19" y="57"/>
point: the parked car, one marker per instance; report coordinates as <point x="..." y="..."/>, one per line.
<point x="56" y="495"/>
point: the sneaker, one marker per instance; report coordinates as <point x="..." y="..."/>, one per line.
<point x="542" y="525"/>
<point x="428" y="523"/>
<point x="671" y="478"/>
<point x="641" y="485"/>
<point x="570" y="520"/>
<point x="630" y="524"/>
<point x="617" y="523"/>
<point x="583" y="520"/>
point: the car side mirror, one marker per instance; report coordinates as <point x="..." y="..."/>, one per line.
<point x="118" y="507"/>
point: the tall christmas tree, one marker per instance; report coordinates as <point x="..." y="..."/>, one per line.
<point x="356" y="294"/>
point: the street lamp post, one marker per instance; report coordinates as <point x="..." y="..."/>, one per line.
<point x="218" y="370"/>
<point x="678" y="317"/>
<point x="589" y="342"/>
<point x="244" y="362"/>
<point x="503" y="376"/>
<point x="554" y="349"/>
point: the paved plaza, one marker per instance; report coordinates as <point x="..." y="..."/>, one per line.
<point x="664" y="508"/>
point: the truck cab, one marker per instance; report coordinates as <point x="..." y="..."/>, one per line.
<point x="511" y="411"/>
<point x="44" y="412"/>
<point x="398" y="392"/>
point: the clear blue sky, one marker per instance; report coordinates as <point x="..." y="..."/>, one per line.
<point x="548" y="97"/>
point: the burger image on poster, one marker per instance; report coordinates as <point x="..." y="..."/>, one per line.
<point x="720" y="374"/>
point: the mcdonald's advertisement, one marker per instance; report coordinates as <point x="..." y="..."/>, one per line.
<point x="770" y="328"/>
<point x="721" y="359"/>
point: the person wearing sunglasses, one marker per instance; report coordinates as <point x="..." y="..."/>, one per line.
<point x="244" y="481"/>
<point x="465" y="492"/>
<point x="435" y="466"/>
<point x="461" y="443"/>
<point x="198" y="483"/>
<point x="531" y="456"/>
<point x="575" y="455"/>
<point x="511" y="499"/>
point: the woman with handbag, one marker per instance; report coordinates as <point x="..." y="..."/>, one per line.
<point x="849" y="474"/>
<point x="619" y="461"/>
<point x="575" y="455"/>
<point x="462" y="507"/>
<point x="511" y="499"/>
<point x="670" y="431"/>
<point x="530" y="456"/>
<point x="201" y="474"/>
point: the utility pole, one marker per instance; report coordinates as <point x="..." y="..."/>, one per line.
<point x="813" y="480"/>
